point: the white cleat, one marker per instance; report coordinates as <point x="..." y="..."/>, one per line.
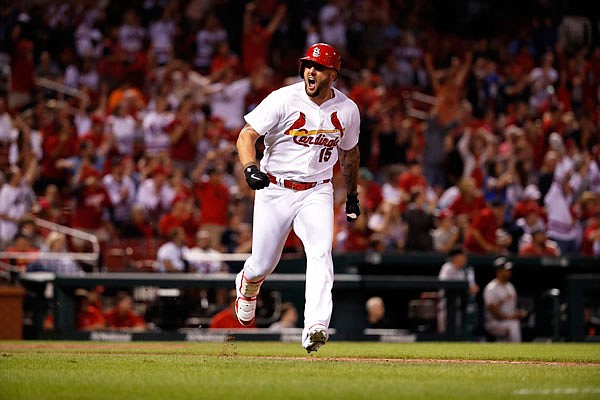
<point x="315" y="338"/>
<point x="245" y="307"/>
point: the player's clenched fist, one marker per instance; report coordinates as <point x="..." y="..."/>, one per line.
<point x="352" y="208"/>
<point x="256" y="178"/>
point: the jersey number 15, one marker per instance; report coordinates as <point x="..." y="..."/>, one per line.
<point x="325" y="154"/>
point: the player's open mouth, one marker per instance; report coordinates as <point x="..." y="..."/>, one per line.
<point x="311" y="83"/>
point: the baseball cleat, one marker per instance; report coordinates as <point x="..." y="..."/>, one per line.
<point x="315" y="338"/>
<point x="245" y="302"/>
<point x="245" y="309"/>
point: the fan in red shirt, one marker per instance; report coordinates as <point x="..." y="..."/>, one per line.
<point x="181" y="186"/>
<point x="180" y="215"/>
<point x="213" y="196"/>
<point x="540" y="246"/>
<point x="97" y="136"/>
<point x="412" y="180"/>
<point x="90" y="316"/>
<point x="22" y="74"/>
<point x="367" y="92"/>
<point x="223" y="58"/>
<point x="353" y="237"/>
<point x="184" y="132"/>
<point x="122" y="316"/>
<point x="523" y="58"/>
<point x="370" y="188"/>
<point x="469" y="201"/>
<point x="21" y="244"/>
<point x="92" y="200"/>
<point x="112" y="64"/>
<point x="528" y="203"/>
<point x="226" y="319"/>
<point x="591" y="236"/>
<point x="58" y="147"/>
<point x="256" y="38"/>
<point x="483" y="237"/>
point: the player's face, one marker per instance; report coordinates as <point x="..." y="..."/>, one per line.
<point x="317" y="79"/>
<point x="460" y="260"/>
<point x="504" y="274"/>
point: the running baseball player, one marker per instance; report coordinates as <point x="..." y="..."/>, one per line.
<point x="306" y="126"/>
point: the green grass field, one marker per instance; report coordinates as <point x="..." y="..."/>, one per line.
<point x="267" y="370"/>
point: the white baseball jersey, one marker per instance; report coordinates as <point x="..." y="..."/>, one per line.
<point x="504" y="295"/>
<point x="449" y="272"/>
<point x="301" y="138"/>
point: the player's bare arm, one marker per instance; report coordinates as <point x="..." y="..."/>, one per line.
<point x="245" y="145"/>
<point x="494" y="310"/>
<point x="255" y="178"/>
<point x="350" y="160"/>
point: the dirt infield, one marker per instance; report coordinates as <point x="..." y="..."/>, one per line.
<point x="229" y="350"/>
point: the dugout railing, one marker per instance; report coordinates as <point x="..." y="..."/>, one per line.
<point x="544" y="283"/>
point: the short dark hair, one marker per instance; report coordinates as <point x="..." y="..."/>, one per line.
<point x="497" y="203"/>
<point x="173" y="232"/>
<point x="456" y="250"/>
<point x="20" y="235"/>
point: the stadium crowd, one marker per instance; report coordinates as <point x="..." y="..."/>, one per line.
<point x="120" y="119"/>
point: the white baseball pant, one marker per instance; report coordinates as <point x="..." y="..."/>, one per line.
<point x="508" y="329"/>
<point x="310" y="213"/>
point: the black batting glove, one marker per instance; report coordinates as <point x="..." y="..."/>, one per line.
<point x="352" y="208"/>
<point x="255" y="178"/>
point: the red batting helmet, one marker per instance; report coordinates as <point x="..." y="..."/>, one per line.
<point x="323" y="54"/>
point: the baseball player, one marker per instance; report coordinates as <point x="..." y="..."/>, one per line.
<point x="455" y="268"/>
<point x="305" y="126"/>
<point x="502" y="317"/>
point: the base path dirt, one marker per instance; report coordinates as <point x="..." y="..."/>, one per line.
<point x="107" y="348"/>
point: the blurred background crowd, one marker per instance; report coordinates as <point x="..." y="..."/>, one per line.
<point x="479" y="127"/>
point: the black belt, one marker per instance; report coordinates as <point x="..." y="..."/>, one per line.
<point x="295" y="185"/>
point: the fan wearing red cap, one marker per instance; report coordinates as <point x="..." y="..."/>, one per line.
<point x="306" y="126"/>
